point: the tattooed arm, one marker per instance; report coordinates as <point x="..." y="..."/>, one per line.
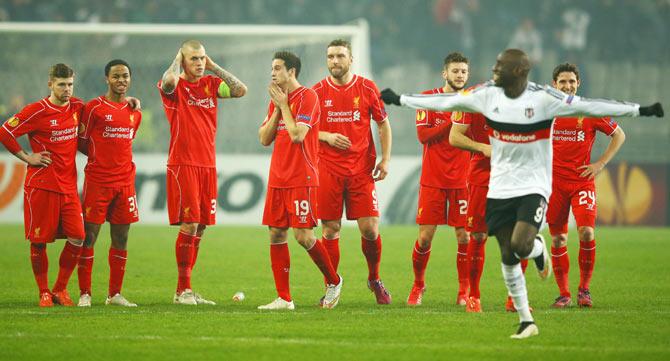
<point x="171" y="75"/>
<point x="236" y="89"/>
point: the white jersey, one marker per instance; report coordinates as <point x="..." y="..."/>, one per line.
<point x="520" y="129"/>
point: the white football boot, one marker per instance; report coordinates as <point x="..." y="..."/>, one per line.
<point x="186" y="297"/>
<point x="332" y="296"/>
<point x="84" y="300"/>
<point x="526" y="329"/>
<point x="202" y="301"/>
<point x="278" y="304"/>
<point x="119" y="300"/>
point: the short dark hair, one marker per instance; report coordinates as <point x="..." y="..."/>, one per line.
<point x="455" y="57"/>
<point x="565" y="68"/>
<point x="291" y="61"/>
<point x="340" y="42"/>
<point x="114" y="62"/>
<point x="60" y="70"/>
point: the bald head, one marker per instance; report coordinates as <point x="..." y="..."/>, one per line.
<point x="190" y="45"/>
<point x="194" y="60"/>
<point x="512" y="67"/>
<point x="515" y="58"/>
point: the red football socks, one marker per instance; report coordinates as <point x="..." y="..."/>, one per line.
<point x="561" y="263"/>
<point x="420" y="259"/>
<point x="281" y="265"/>
<point x="373" y="253"/>
<point x="196" y="248"/>
<point x="476" y="255"/>
<point x="40" y="263"/>
<point x="117" y="268"/>
<point x="462" y="268"/>
<point x="69" y="258"/>
<point x="587" y="260"/>
<point x="321" y="258"/>
<point x="524" y="265"/>
<point x="184" y="253"/>
<point x="85" y="269"/>
<point x="333" y="248"/>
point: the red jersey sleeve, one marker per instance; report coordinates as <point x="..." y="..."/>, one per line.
<point x="21" y="123"/>
<point x="377" y="109"/>
<point x="87" y="119"/>
<point x="136" y="118"/>
<point x="168" y="99"/>
<point x="423" y="118"/>
<point x="606" y="125"/>
<point x="214" y="83"/>
<point x="308" y="110"/>
<point x="271" y="108"/>
<point x="464" y="119"/>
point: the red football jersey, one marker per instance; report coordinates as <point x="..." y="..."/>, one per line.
<point x="295" y="164"/>
<point x="479" y="170"/>
<point x="110" y="129"/>
<point x="442" y="165"/>
<point x="191" y="110"/>
<point x="53" y="129"/>
<point x="347" y="109"/>
<point x="572" y="143"/>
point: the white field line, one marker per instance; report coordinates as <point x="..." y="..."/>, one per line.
<point x="460" y="346"/>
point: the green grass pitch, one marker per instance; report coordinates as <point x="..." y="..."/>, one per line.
<point x="630" y="320"/>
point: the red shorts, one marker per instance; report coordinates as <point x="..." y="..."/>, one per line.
<point x="357" y="194"/>
<point x="50" y="215"/>
<point x="477" y="209"/>
<point x="291" y="207"/>
<point x="442" y="206"/>
<point x="580" y="196"/>
<point x="191" y="194"/>
<point x="118" y="205"/>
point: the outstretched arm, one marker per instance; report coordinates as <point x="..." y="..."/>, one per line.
<point x="562" y="104"/>
<point x="235" y="87"/>
<point x="171" y="75"/>
<point x="464" y="102"/>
